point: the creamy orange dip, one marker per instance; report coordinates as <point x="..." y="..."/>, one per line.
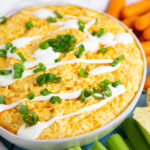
<point x="65" y="71"/>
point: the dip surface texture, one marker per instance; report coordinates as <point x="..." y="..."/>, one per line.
<point x="76" y="113"/>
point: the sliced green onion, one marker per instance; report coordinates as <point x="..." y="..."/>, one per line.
<point x="3" y="51"/>
<point x="116" y="142"/>
<point x="31" y="96"/>
<point x="116" y="83"/>
<point x="57" y="60"/>
<point x="44" y="45"/>
<point x="21" y="56"/>
<point x="40" y="68"/>
<point x="83" y="73"/>
<point x="103" y="49"/>
<point x="101" y="31"/>
<point x="96" y="21"/>
<point x="18" y="70"/>
<point x="47" y="77"/>
<point x="51" y="19"/>
<point x="98" y="146"/>
<point x="13" y="49"/>
<point x="55" y="99"/>
<point x="2" y="99"/>
<point x="99" y="95"/>
<point x="3" y="55"/>
<point x="87" y="92"/>
<point x="3" y="20"/>
<point x="58" y="14"/>
<point x="82" y="96"/>
<point x="79" y="53"/>
<point x="45" y="92"/>
<point x="105" y="83"/>
<point x="63" y="43"/>
<point x="8" y="45"/>
<point x="23" y="109"/>
<point x="81" y="25"/>
<point x="115" y="62"/>
<point x="30" y="118"/>
<point x="5" y="72"/>
<point x="29" y="25"/>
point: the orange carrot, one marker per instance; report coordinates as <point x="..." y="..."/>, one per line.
<point x="146" y="47"/>
<point x="136" y="9"/>
<point x="146" y="33"/>
<point x="129" y="21"/>
<point x="142" y="22"/>
<point x="148" y="60"/>
<point x="115" y="7"/>
<point x="147" y="83"/>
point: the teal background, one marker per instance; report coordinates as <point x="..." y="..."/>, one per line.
<point x="141" y="103"/>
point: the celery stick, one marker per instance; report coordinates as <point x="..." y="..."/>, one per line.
<point x="134" y="135"/>
<point x="75" y="148"/>
<point x="116" y="142"/>
<point x="145" y="133"/>
<point x="97" y="146"/>
<point x="129" y="144"/>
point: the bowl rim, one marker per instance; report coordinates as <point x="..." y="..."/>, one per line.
<point x="112" y="122"/>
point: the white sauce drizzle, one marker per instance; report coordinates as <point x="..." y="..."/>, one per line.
<point x="43" y="13"/>
<point x="70" y="95"/>
<point x="34" y="131"/>
<point x="8" y="79"/>
<point x="20" y="42"/>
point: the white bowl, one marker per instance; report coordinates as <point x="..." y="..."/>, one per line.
<point x="83" y="139"/>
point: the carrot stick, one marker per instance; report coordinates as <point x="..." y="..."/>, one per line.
<point x="142" y="22"/>
<point x="146" y="33"/>
<point x="146" y="47"/>
<point x="147" y="83"/>
<point x="148" y="60"/>
<point x="136" y="9"/>
<point x="129" y="21"/>
<point x="115" y="7"/>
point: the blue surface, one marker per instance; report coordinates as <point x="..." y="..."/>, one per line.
<point x="141" y="103"/>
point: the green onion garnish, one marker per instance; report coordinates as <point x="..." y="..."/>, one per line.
<point x="40" y="68"/>
<point x="63" y="43"/>
<point x="51" y="19"/>
<point x="13" y="49"/>
<point x="96" y="21"/>
<point x="115" y="62"/>
<point x="101" y="31"/>
<point x="83" y="73"/>
<point x="47" y="77"/>
<point x="82" y="96"/>
<point x="99" y="95"/>
<point x="55" y="99"/>
<point x="3" y="55"/>
<point x="105" y="83"/>
<point x="5" y="72"/>
<point x="23" y="110"/>
<point x="8" y="45"/>
<point x="116" y="83"/>
<point x="3" y="20"/>
<point x="81" y="25"/>
<point x="2" y="99"/>
<point x="45" y="92"/>
<point x="29" y="24"/>
<point x="21" y="56"/>
<point x="57" y="60"/>
<point x="18" y="70"/>
<point x="98" y="34"/>
<point x="29" y="118"/>
<point x="31" y="96"/>
<point x="3" y="51"/>
<point x="58" y="14"/>
<point x="103" y="49"/>
<point x="44" y="45"/>
<point x="79" y="53"/>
